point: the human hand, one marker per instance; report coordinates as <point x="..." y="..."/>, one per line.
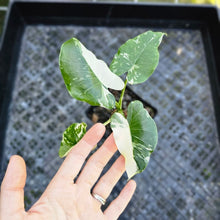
<point x="64" y="199"/>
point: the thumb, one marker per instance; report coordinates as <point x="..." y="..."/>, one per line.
<point x="12" y="189"/>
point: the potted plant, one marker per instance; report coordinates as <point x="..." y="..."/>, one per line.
<point x="89" y="79"/>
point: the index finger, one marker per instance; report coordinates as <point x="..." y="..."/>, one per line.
<point x="76" y="157"/>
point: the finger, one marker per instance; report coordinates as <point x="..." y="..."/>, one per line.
<point x="12" y="188"/>
<point x="96" y="163"/>
<point x="76" y="157"/>
<point x="115" y="209"/>
<point x="109" y="180"/>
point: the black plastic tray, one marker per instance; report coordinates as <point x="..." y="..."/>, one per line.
<point x="22" y="14"/>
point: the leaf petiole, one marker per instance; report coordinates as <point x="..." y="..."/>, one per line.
<point x="122" y="96"/>
<point x="107" y="122"/>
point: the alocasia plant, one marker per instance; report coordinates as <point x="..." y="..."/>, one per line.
<point x="88" y="79"/>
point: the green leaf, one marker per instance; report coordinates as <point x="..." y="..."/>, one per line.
<point x="136" y="137"/>
<point x="71" y="136"/>
<point x="143" y="132"/>
<point x="86" y="77"/>
<point x="138" y="56"/>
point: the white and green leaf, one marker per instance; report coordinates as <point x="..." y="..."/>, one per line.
<point x="86" y="77"/>
<point x="122" y="136"/>
<point x="138" y="57"/>
<point x="136" y="137"/>
<point x="71" y="136"/>
<point x="143" y="132"/>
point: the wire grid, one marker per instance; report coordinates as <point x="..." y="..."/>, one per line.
<point x="182" y="179"/>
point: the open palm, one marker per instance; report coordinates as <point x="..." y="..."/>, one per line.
<point x="64" y="198"/>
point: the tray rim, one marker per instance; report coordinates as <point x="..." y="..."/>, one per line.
<point x="209" y="26"/>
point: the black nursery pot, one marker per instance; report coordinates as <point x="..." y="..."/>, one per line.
<point x="99" y="114"/>
<point x="181" y="180"/>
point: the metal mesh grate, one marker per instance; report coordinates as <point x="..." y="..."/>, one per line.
<point x="182" y="179"/>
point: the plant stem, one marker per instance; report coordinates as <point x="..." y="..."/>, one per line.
<point x="122" y="95"/>
<point x="107" y="122"/>
<point x="119" y="104"/>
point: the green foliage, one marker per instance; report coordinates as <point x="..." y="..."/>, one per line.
<point x="136" y="137"/>
<point x="71" y="136"/>
<point x="143" y="133"/>
<point x="88" y="79"/>
<point x="138" y="57"/>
